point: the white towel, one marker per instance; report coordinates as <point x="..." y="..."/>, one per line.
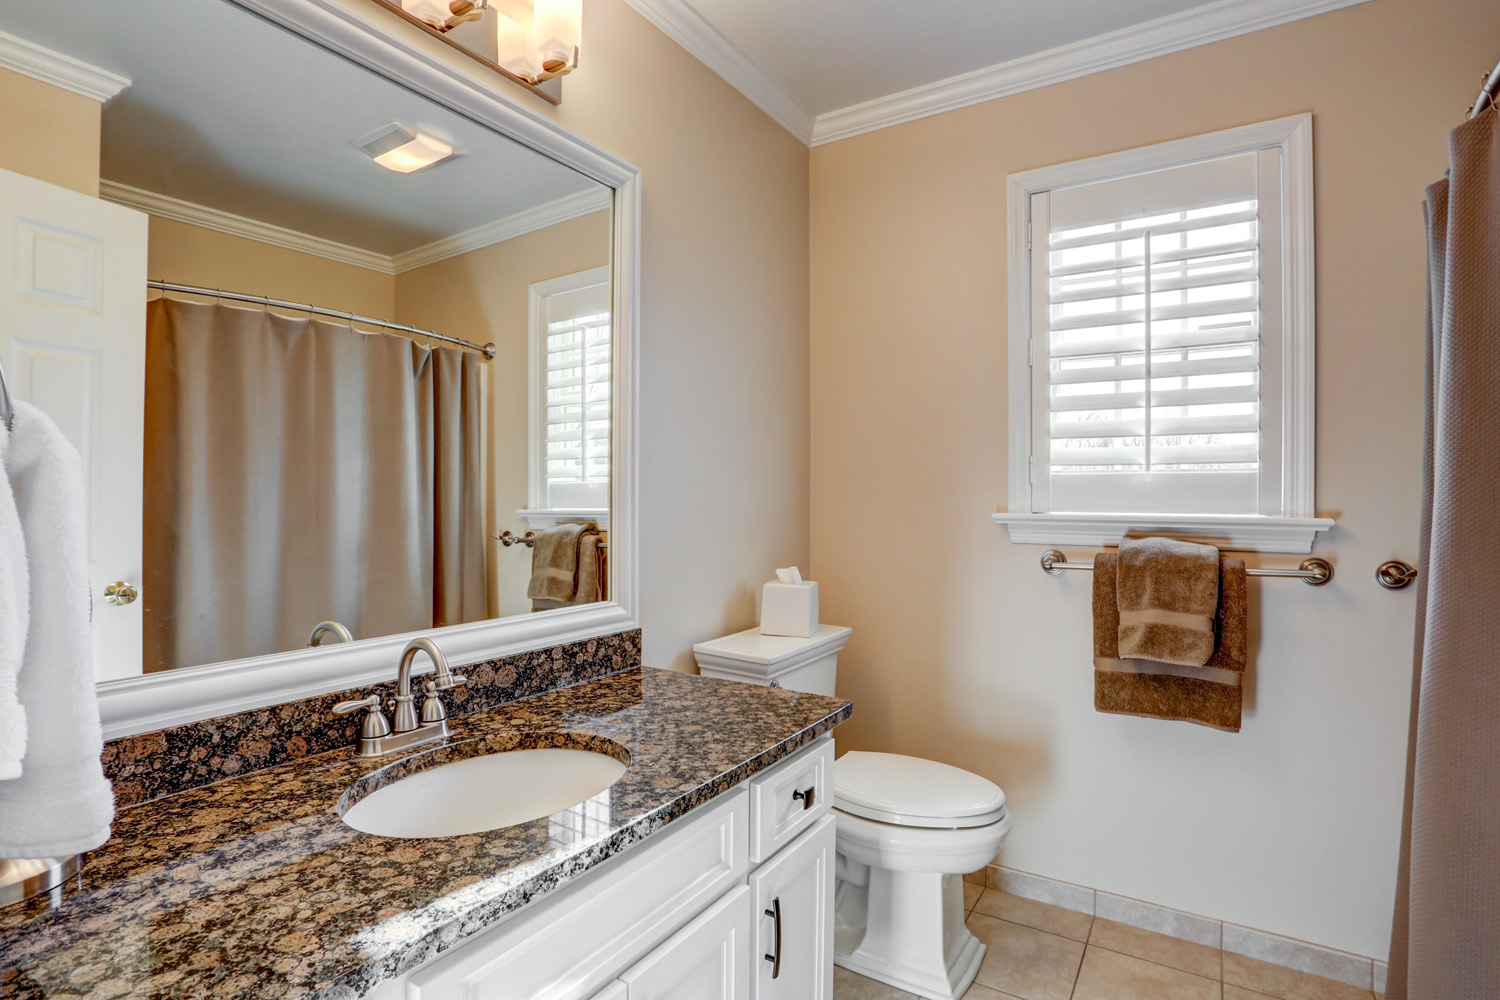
<point x="61" y="803"/>
<point x="15" y="604"/>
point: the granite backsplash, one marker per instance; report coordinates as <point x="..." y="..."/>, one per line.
<point x="150" y="765"/>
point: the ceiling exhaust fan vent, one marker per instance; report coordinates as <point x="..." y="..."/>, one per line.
<point x="384" y="139"/>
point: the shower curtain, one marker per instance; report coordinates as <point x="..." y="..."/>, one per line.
<point x="1446" y="934"/>
<point x="298" y="470"/>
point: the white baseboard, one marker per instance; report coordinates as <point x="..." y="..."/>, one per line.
<point x="1330" y="963"/>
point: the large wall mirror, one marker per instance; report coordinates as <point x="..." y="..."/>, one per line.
<point x="376" y="373"/>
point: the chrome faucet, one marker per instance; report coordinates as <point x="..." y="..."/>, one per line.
<point x="432" y="706"/>
<point x="332" y="628"/>
<point x="377" y="734"/>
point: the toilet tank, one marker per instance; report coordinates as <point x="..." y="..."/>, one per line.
<point x="791" y="662"/>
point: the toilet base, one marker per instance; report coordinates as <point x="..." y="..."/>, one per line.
<point x="905" y="929"/>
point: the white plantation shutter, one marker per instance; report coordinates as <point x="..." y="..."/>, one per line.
<point x="1150" y="341"/>
<point x="574" y="422"/>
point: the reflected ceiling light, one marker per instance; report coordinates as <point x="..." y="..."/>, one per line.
<point x="404" y="149"/>
<point x="545" y="50"/>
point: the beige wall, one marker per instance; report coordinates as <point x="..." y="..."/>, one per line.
<point x="193" y="255"/>
<point x="963" y="650"/>
<point x="483" y="296"/>
<point x="50" y="133"/>
<point x="724" y="290"/>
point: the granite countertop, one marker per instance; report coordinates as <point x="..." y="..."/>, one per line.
<point x="253" y="887"/>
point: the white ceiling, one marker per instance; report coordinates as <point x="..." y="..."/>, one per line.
<point x="834" y="53"/>
<point x="228" y="111"/>
<point x="830" y="69"/>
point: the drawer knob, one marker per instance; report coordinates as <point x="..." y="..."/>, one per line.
<point x="806" y="797"/>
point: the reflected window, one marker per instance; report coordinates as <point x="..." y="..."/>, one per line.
<point x="571" y="377"/>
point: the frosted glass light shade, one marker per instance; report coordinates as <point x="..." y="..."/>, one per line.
<point x="516" y="51"/>
<point x="434" y="12"/>
<point x="558" y="31"/>
<point x="422" y="151"/>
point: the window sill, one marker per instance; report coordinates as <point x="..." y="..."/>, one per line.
<point x="1237" y="533"/>
<point x="550" y="516"/>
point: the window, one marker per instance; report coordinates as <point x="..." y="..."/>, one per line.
<point x="570" y="394"/>
<point x="1161" y="343"/>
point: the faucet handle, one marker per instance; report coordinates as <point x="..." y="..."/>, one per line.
<point x="454" y="681"/>
<point x="432" y="705"/>
<point x="375" y="724"/>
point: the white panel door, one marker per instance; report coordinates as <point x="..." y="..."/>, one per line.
<point x="793" y="913"/>
<point x="709" y="959"/>
<point x="73" y="342"/>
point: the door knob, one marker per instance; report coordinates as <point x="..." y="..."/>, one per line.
<point x="120" y="592"/>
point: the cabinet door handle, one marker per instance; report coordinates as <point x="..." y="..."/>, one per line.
<point x="806" y="797"/>
<point x="775" y="958"/>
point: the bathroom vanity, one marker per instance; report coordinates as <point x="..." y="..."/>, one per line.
<point x="676" y="881"/>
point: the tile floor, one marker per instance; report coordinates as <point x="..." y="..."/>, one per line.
<point x="1037" y="951"/>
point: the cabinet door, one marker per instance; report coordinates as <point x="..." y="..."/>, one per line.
<point x="792" y="896"/>
<point x="709" y="959"/>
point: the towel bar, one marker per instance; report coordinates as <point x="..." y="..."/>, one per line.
<point x="507" y="538"/>
<point x="1314" y="572"/>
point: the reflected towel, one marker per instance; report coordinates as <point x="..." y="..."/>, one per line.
<point x="1209" y="695"/>
<point x="555" y="558"/>
<point x="1167" y="594"/>
<point x="61" y="803"/>
<point x="15" y="604"/>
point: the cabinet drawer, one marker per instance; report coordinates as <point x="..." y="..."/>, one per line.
<point x="574" y="943"/>
<point x="790" y="798"/>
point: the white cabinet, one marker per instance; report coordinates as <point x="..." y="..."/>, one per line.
<point x="792" y="899"/>
<point x="709" y="959"/>
<point x="679" y="917"/>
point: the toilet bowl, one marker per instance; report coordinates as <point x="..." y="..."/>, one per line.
<point x="907" y="831"/>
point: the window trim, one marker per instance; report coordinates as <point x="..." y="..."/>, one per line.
<point x="1297" y="527"/>
<point x="536" y="428"/>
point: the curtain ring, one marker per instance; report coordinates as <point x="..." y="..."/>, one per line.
<point x="218" y="296"/>
<point x="351" y="322"/>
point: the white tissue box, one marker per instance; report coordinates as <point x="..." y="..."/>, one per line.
<point x="789" y="609"/>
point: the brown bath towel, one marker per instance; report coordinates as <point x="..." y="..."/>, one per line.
<point x="1167" y="594"/>
<point x="555" y="557"/>
<point x="1209" y="695"/>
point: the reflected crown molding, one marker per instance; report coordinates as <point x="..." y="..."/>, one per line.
<point x="48" y="66"/>
<point x="549" y="214"/>
<point x="141" y="704"/>
<point x="167" y="207"/>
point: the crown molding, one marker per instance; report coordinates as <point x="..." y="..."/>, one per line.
<point x="682" y="23"/>
<point x="508" y="228"/>
<point x="1199" y="26"/>
<point x="48" y="66"/>
<point x="167" y="207"/>
<point x="571" y="206"/>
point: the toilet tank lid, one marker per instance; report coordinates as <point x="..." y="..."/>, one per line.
<point x="775" y="651"/>
<point x="907" y="790"/>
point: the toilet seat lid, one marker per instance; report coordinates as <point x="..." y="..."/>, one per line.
<point x="909" y="791"/>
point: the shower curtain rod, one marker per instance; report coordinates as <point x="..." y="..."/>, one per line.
<point x="488" y="350"/>
<point x="1489" y="94"/>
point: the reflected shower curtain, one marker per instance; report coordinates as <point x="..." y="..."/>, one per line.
<point x="297" y="471"/>
<point x="1446" y="935"/>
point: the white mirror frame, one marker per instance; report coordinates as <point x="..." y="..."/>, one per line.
<point x="174" y="697"/>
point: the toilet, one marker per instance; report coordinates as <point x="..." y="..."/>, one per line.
<point x="907" y="830"/>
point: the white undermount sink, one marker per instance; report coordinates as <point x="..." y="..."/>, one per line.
<point x="475" y="794"/>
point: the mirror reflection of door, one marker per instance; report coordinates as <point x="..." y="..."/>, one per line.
<point x="328" y="438"/>
<point x="73" y="344"/>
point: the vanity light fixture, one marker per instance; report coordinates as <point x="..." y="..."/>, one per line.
<point x="404" y="149"/>
<point x="546" y="50"/>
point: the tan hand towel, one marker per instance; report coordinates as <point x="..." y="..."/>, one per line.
<point x="554" y="561"/>
<point x="1209" y="695"/>
<point x="1167" y="593"/>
